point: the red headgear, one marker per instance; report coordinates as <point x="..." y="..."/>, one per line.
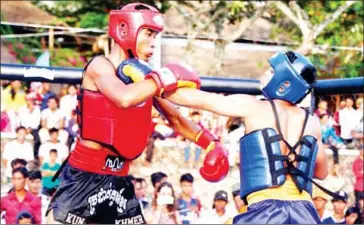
<point x="125" y="24"/>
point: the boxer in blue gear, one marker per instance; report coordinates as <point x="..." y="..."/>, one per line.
<point x="281" y="150"/>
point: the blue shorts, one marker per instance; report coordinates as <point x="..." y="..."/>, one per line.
<point x="279" y="212"/>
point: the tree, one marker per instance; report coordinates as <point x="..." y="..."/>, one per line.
<point x="327" y="23"/>
<point x="210" y="18"/>
<point x="92" y="13"/>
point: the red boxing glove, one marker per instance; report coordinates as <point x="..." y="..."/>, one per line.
<point x="216" y="164"/>
<point x="174" y="76"/>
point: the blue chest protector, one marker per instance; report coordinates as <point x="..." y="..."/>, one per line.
<point x="263" y="166"/>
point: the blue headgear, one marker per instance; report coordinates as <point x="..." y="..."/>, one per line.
<point x="287" y="83"/>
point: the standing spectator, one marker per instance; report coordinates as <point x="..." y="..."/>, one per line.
<point x="163" y="210"/>
<point x="46" y="93"/>
<point x="359" y="176"/>
<point x="352" y="216"/>
<point x="196" y="118"/>
<point x="322" y="108"/>
<point x="348" y="120"/>
<point x="29" y="116"/>
<point x="68" y="102"/>
<point x="17" y="148"/>
<point x="357" y="132"/>
<point x="188" y="206"/>
<point x="236" y="130"/>
<point x="339" y="209"/>
<point x="48" y="170"/>
<point x="35" y="187"/>
<point x="320" y="199"/>
<point x="24" y="217"/>
<point x="336" y="119"/>
<point x="158" y="178"/>
<point x="20" y="199"/>
<point x="218" y="214"/>
<point x="53" y="143"/>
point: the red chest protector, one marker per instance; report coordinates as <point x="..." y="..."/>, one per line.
<point x="126" y="130"/>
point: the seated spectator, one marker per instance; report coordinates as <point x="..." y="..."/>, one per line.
<point x="218" y="214"/>
<point x="29" y="114"/>
<point x="320" y="199"/>
<point x="35" y="187"/>
<point x="20" y="199"/>
<point x="13" y="96"/>
<point x="16" y="163"/>
<point x="53" y="143"/>
<point x="329" y="136"/>
<point x="24" y="217"/>
<point x="334" y="181"/>
<point x="358" y="169"/>
<point x="45" y="93"/>
<point x="188" y="206"/>
<point x="33" y="165"/>
<point x="52" y="117"/>
<point x="163" y="210"/>
<point x="158" y="178"/>
<point x="5" y="123"/>
<point x="17" y="148"/>
<point x="72" y="128"/>
<point x="49" y="169"/>
<point x="353" y="216"/>
<point x="339" y="209"/>
<point x="140" y="193"/>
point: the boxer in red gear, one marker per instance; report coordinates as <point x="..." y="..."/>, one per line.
<point x="115" y="120"/>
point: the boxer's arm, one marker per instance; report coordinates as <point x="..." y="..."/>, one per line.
<point x="179" y="123"/>
<point x="321" y="165"/>
<point x="103" y="74"/>
<point x="238" y="105"/>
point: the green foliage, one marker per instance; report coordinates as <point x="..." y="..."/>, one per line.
<point x="66" y="57"/>
<point x="347" y="30"/>
<point x="93" y="19"/>
<point x="91" y="13"/>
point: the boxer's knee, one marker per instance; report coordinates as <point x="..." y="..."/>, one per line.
<point x="50" y="218"/>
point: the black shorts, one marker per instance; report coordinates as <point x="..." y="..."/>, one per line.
<point x="84" y="198"/>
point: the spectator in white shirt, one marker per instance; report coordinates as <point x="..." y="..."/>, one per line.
<point x="348" y="118"/>
<point x="17" y="148"/>
<point x="69" y="102"/>
<point x="30" y="114"/>
<point x="52" y="117"/>
<point x="53" y="143"/>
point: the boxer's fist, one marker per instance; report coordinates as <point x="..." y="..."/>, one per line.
<point x="216" y="164"/>
<point x="133" y="70"/>
<point x="173" y="76"/>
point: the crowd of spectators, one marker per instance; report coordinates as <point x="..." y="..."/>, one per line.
<point x="43" y="122"/>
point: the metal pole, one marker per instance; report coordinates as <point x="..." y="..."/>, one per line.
<point x="27" y="72"/>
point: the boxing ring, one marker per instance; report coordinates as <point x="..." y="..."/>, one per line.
<point x="26" y="72"/>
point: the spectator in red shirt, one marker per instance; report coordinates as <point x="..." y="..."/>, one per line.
<point x="359" y="175"/>
<point x="20" y="199"/>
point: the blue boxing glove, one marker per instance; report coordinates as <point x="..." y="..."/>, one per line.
<point x="133" y="70"/>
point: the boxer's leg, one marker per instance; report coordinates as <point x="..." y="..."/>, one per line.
<point x="50" y="218"/>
